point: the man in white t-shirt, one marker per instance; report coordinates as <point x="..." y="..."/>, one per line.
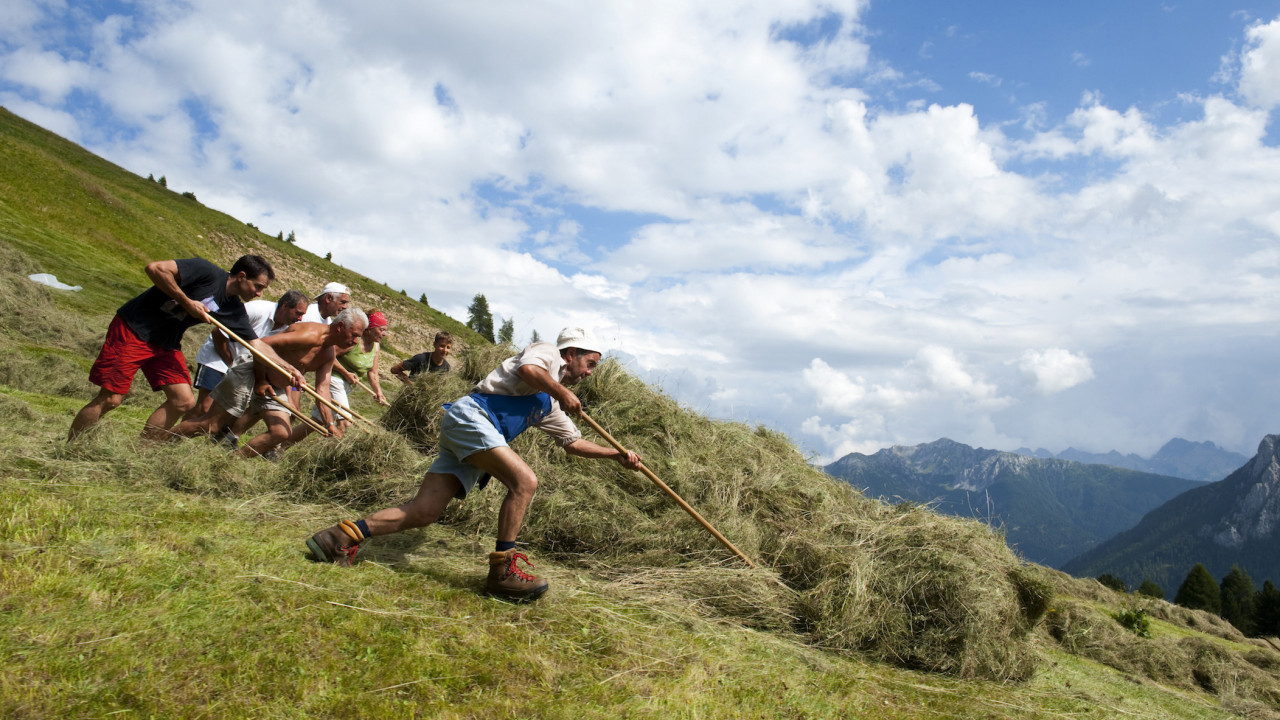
<point x="332" y="300"/>
<point x="218" y="351"/>
<point x="528" y="390"/>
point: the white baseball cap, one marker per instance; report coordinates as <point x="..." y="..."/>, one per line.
<point x="336" y="288"/>
<point x="575" y="337"/>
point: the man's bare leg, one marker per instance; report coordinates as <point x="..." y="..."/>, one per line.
<point x="208" y="424"/>
<point x="204" y="402"/>
<point x="90" y="414"/>
<point x="511" y="470"/>
<point x="433" y="496"/>
<point x="277" y="432"/>
<point x="178" y="400"/>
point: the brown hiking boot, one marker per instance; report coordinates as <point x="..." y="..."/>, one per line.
<point x="507" y="580"/>
<point x="333" y="545"/>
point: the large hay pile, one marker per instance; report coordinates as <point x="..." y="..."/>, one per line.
<point x="901" y="584"/>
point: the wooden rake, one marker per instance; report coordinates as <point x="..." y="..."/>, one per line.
<point x="305" y="387"/>
<point x="670" y="493"/>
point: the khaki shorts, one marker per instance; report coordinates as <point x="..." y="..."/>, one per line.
<point x="337" y="391"/>
<point x="235" y="392"/>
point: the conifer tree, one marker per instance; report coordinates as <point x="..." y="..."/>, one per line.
<point x="1150" y="589"/>
<point x="423" y="300"/>
<point x="507" y="331"/>
<point x="1113" y="582"/>
<point x="535" y="337"/>
<point x="1239" y="602"/>
<point x="1266" y="616"/>
<point x="479" y="318"/>
<point x="1199" y="591"/>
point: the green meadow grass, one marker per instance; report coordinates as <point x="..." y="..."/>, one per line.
<point x="121" y="597"/>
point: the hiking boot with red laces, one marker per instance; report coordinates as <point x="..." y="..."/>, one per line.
<point x="506" y="579"/>
<point x="334" y="545"/>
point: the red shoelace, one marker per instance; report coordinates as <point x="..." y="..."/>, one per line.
<point x="517" y="571"/>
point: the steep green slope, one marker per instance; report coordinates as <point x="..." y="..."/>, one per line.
<point x="94" y="224"/>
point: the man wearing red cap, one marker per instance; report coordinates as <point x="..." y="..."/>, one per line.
<point x="530" y="389"/>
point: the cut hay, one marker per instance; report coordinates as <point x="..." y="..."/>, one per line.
<point x="1192" y="662"/>
<point x="416" y="411"/>
<point x="901" y="584"/>
<point x="752" y="598"/>
<point x="199" y="466"/>
<point x="364" y="469"/>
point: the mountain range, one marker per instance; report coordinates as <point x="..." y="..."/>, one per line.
<point x="1050" y="509"/>
<point x="1203" y="461"/>
<point x="1231" y="522"/>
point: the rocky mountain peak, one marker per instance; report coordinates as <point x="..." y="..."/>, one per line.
<point x="1256" y="513"/>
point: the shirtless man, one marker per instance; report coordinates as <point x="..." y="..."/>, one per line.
<point x="255" y="387"/>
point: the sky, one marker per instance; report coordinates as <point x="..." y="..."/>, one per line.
<point x="862" y="223"/>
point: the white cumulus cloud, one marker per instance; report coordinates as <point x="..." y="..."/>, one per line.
<point x="1055" y="369"/>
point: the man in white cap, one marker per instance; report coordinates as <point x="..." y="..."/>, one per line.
<point x="530" y="389"/>
<point x="332" y="300"/>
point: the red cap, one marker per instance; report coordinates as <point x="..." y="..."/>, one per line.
<point x="377" y="319"/>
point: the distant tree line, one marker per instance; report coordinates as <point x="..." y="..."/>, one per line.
<point x="1236" y="599"/>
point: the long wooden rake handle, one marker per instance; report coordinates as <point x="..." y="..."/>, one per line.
<point x="671" y="493"/>
<point x="305" y="387"/>
<point x="365" y="388"/>
<point x="306" y="420"/>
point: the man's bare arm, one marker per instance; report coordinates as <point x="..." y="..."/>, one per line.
<point x="164" y="275"/>
<point x="323" y="371"/>
<point x="398" y="371"/>
<point x="222" y="346"/>
<point x="538" y="378"/>
<point x="586" y="449"/>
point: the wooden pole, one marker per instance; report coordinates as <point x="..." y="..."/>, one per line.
<point x="366" y="388"/>
<point x="306" y="420"/>
<point x="305" y="387"/>
<point x="671" y="493"/>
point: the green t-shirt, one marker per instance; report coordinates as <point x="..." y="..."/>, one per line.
<point x="357" y="360"/>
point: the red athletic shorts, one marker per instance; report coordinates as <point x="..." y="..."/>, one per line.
<point x="123" y="354"/>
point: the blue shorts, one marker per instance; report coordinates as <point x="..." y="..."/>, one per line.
<point x="207" y="378"/>
<point x="465" y="430"/>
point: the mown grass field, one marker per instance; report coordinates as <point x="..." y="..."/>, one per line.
<point x="123" y="597"/>
<point x="170" y="581"/>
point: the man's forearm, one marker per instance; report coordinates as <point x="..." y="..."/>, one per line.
<point x="586" y="449"/>
<point x="164" y="275"/>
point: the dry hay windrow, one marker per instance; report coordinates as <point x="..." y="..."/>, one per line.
<point x="1240" y="679"/>
<point x="898" y="583"/>
<point x="365" y="468"/>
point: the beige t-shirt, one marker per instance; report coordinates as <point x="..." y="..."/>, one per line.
<point x="505" y="381"/>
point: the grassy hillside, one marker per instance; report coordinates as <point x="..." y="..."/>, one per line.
<point x="94" y="224"/>
<point x="169" y="580"/>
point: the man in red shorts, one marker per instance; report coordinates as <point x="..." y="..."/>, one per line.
<point x="146" y="335"/>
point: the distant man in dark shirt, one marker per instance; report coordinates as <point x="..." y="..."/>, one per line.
<point x="147" y="331"/>
<point x="433" y="361"/>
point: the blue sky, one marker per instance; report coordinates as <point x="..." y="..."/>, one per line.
<point x="861" y="223"/>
